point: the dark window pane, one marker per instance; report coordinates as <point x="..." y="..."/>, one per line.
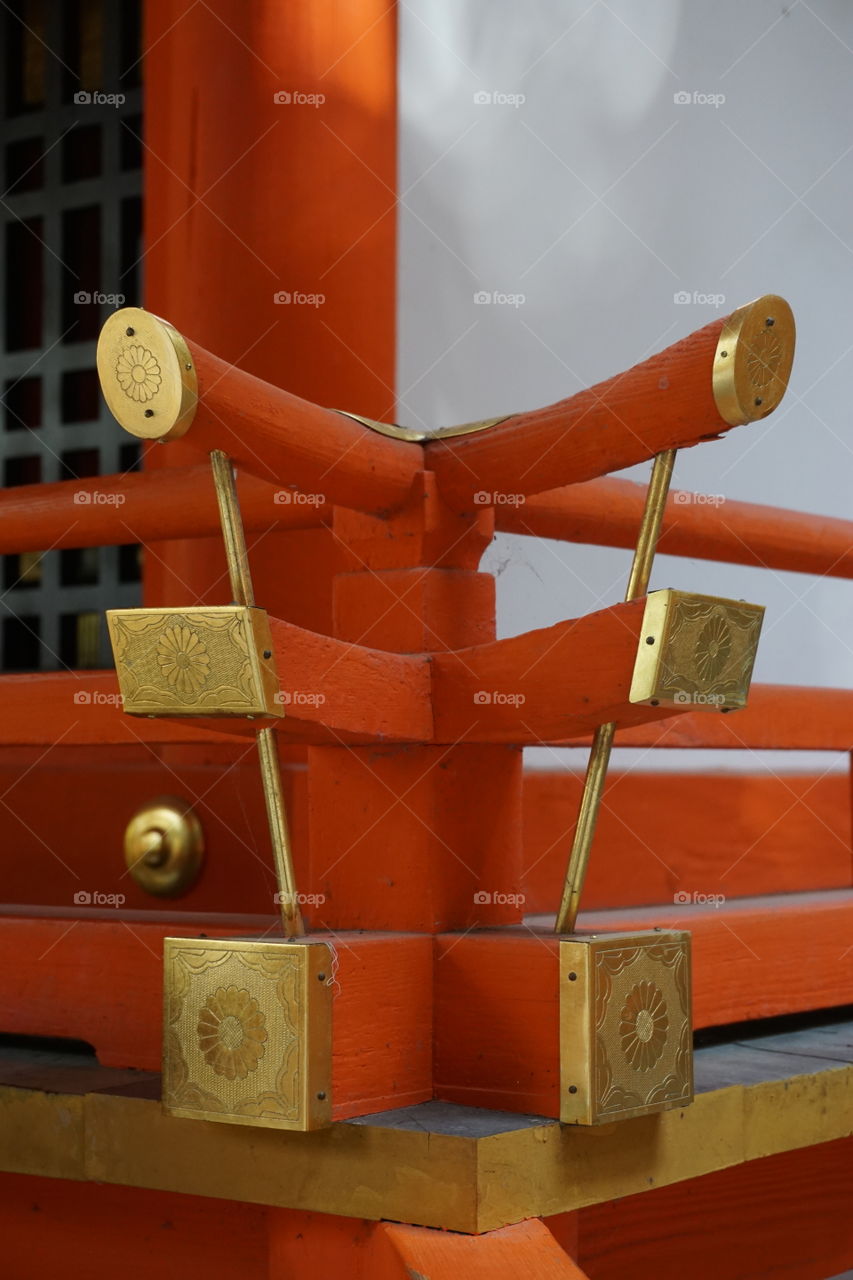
<point x="81" y="254"/>
<point x="24" y="165"/>
<point x="129" y="457"/>
<point x="81" y="153"/>
<point x="81" y="396"/>
<point x="79" y="637"/>
<point x="21" y="646"/>
<point x="130" y="143"/>
<point x="22" y="572"/>
<point x="24" y="284"/>
<point x="22" y="404"/>
<point x="79" y="567"/>
<point x="22" y="471"/>
<point x="77" y="464"/>
<point x="130" y="564"/>
<point x="131" y="248"/>
<point x="82" y="48"/>
<point x="25" y="55"/>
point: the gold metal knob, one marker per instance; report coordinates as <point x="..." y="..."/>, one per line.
<point x="164" y="847"/>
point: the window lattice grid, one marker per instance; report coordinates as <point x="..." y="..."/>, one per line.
<point x="71" y="244"/>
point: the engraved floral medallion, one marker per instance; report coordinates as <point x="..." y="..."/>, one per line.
<point x="765" y="356"/>
<point x="713" y="648"/>
<point x="183" y="659"/>
<point x="138" y="374"/>
<point x="643" y="1026"/>
<point x="232" y="1032"/>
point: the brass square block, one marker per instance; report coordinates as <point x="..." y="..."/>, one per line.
<point x="208" y="661"/>
<point x="626" y="1028"/>
<point x="247" y="1034"/>
<point x="696" y="651"/>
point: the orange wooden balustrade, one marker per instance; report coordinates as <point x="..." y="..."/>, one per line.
<point x="179" y="502"/>
<point x="708" y="527"/>
<point x="148" y="506"/>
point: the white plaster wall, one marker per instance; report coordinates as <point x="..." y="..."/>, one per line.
<point x="599" y="198"/>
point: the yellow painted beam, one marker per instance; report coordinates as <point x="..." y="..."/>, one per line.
<point x="458" y="1181"/>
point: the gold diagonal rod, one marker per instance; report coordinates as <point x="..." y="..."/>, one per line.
<point x="236" y="554"/>
<point x="602" y="742"/>
<point x="233" y="535"/>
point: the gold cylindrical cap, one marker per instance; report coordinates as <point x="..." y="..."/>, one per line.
<point x="147" y="375"/>
<point x="753" y="360"/>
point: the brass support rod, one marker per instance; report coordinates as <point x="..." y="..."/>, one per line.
<point x="234" y="537"/>
<point x="291" y="916"/>
<point x="232" y="529"/>
<point x="602" y="742"/>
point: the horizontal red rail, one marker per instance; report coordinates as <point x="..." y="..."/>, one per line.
<point x="607" y="513"/>
<point x="179" y="502"/>
<point x="141" y="506"/>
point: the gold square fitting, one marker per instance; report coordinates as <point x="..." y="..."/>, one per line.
<point x="626" y="1027"/>
<point x="247" y="1034"/>
<point x="696" y="651"/>
<point x="208" y="661"/>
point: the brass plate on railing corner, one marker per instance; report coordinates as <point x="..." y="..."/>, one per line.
<point x="147" y="375"/>
<point x="753" y="360"/>
<point x="626" y="1031"/>
<point x="247" y="1035"/>
<point x="696" y="651"/>
<point x="206" y="661"/>
<point x="416" y="436"/>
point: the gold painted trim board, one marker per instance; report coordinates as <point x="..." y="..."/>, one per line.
<point x="434" y="1180"/>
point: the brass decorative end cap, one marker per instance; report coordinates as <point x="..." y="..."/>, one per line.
<point x="753" y="360"/>
<point x="164" y="847"/>
<point x="147" y="375"/>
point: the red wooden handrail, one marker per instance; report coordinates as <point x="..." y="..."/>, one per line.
<point x="607" y="513"/>
<point x="141" y="506"/>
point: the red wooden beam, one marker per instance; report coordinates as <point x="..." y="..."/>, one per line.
<point x="754" y="958"/>
<point x="665" y="402"/>
<point x="281" y="437"/>
<point x="149" y="506"/>
<point x="607" y="513"/>
<point x="657" y="835"/>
